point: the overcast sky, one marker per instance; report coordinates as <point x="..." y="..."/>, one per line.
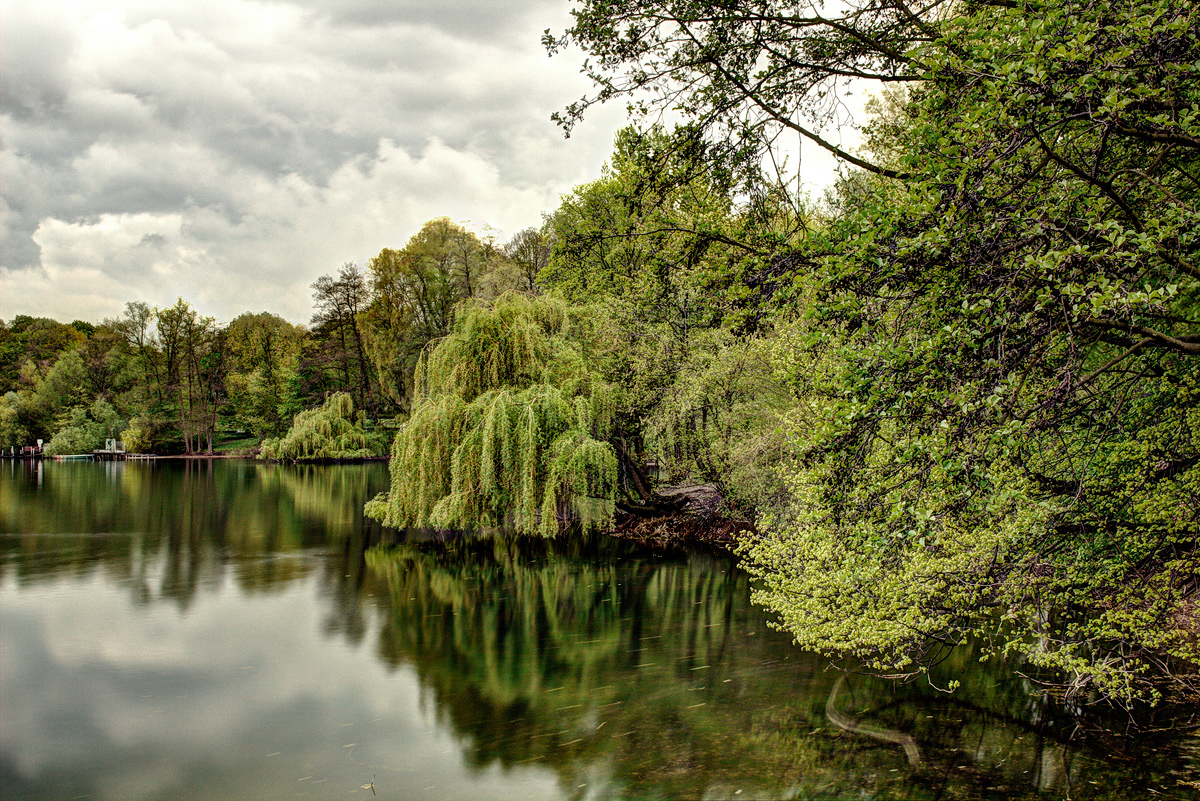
<point x="230" y="152"/>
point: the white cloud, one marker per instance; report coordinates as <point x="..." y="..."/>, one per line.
<point x="262" y="144"/>
<point x="291" y="231"/>
<point x="232" y="152"/>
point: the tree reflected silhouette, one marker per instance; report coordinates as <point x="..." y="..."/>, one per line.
<point x="652" y="676"/>
<point x="625" y="672"/>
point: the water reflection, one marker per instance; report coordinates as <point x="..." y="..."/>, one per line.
<point x="76" y="518"/>
<point x="233" y="630"/>
<point x="640" y="676"/>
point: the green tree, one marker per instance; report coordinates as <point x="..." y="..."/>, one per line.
<point x="64" y="369"/>
<point x="530" y="248"/>
<point x="136" y="327"/>
<point x="191" y="355"/>
<point x="658" y="240"/>
<point x="13" y="435"/>
<point x="147" y="400"/>
<point x="449" y="250"/>
<point x="85" y="429"/>
<point x="415" y="290"/>
<point x="512" y="426"/>
<point x="164" y="370"/>
<point x="997" y="357"/>
<point x="413" y="304"/>
<point x="1001" y="361"/>
<point x="741" y="73"/>
<point x="262" y="353"/>
<point x="331" y="432"/>
<point x="107" y="361"/>
<point x="337" y="327"/>
<point x="55" y="395"/>
<point x="38" y="341"/>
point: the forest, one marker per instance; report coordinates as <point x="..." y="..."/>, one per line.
<point x="959" y="396"/>
<point x="171" y="380"/>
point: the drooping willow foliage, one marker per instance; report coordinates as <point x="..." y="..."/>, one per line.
<point x="510" y="426"/>
<point x="331" y="432"/>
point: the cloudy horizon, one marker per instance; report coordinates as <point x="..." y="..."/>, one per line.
<point x="231" y="152"/>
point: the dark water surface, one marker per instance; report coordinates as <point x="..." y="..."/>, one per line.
<point x="230" y="630"/>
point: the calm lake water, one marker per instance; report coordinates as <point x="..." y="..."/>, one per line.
<point x="230" y="630"/>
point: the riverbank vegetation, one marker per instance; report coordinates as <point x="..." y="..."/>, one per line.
<point x="181" y="382"/>
<point x="990" y="338"/>
<point x="330" y="433"/>
<point x="960" y="398"/>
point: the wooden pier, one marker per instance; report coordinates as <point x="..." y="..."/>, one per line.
<point x="32" y="452"/>
<point x="113" y="451"/>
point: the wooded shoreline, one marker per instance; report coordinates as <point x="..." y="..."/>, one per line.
<point x="959" y="397"/>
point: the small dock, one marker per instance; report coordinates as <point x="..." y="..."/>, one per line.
<point x="30" y="452"/>
<point x="113" y="451"/>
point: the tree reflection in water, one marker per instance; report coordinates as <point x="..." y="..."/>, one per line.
<point x="651" y="675"/>
<point x="171" y="528"/>
<point x="627" y="673"/>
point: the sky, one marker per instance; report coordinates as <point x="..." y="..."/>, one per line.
<point x="231" y="152"/>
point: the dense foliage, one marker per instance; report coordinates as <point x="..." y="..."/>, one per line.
<point x="992" y="334"/>
<point x="415" y="291"/>
<point x="331" y="432"/>
<point x="85" y="430"/>
<point x="658" y="243"/>
<point x="960" y="399"/>
<point x="1000" y="364"/>
<point x="511" y="426"/>
<point x="179" y="381"/>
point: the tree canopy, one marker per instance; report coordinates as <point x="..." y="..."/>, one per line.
<point x="992" y="334"/>
<point x="333" y="431"/>
<point x="511" y="426"/>
<point x="739" y="73"/>
<point x="960" y="398"/>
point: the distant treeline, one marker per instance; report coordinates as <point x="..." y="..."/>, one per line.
<point x="170" y="380"/>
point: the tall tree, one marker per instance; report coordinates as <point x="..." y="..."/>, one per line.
<point x="137" y="327"/>
<point x="512" y="426"/>
<point x="147" y="401"/>
<point x="1002" y="339"/>
<point x="37" y="341"/>
<point x="54" y="396"/>
<point x="263" y="350"/>
<point x="657" y="240"/>
<point x="204" y="378"/>
<point x="190" y="359"/>
<point x="530" y="249"/>
<point x="339" y="302"/>
<point x="415" y="292"/>
<point x="1014" y="338"/>
<point x="449" y="249"/>
<point x="413" y="304"/>
<point x="107" y="361"/>
<point x="741" y="73"/>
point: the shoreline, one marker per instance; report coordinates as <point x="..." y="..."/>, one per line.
<point x="684" y="531"/>
<point x="151" y="457"/>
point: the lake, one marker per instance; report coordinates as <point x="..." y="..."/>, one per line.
<point x="198" y="629"/>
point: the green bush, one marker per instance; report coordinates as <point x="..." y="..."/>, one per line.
<point x="331" y="432"/>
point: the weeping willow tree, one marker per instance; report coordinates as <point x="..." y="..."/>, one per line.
<point x="332" y="431"/>
<point x="510" y="425"/>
